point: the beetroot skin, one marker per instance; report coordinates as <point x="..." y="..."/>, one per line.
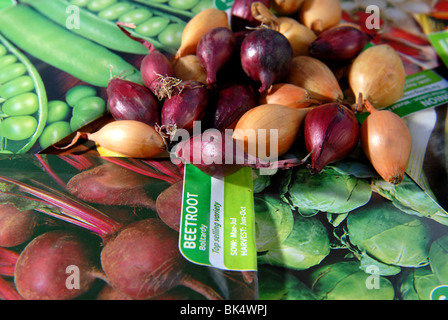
<point x="16" y="227"/>
<point x="41" y="269"/>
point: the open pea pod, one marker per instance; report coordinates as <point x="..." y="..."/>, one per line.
<point x="23" y="101"/>
<point x="185" y="8"/>
<point x="96" y="20"/>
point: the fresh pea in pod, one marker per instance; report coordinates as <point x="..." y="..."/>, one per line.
<point x="185" y="8"/>
<point x="99" y="19"/>
<point x="86" y="110"/>
<point x="23" y="101"/>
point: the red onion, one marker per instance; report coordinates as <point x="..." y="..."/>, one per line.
<point x="266" y="56"/>
<point x="188" y="103"/>
<point x="241" y="14"/>
<point x="215" y="153"/>
<point x="131" y="101"/>
<point x="232" y="101"/>
<point x="214" y="51"/>
<point x="154" y="66"/>
<point x="339" y="44"/>
<point x="331" y="132"/>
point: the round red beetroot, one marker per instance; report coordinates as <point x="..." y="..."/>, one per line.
<point x="169" y="205"/>
<point x="144" y="261"/>
<point x="43" y="269"/>
<point x="16" y="226"/>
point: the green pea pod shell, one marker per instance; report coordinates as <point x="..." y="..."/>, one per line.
<point x="62" y="49"/>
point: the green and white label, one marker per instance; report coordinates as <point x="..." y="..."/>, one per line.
<point x="218" y="220"/>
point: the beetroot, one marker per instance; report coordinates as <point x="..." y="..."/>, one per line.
<point x="214" y="51"/>
<point x="187" y="104"/>
<point x="16" y="226"/>
<point x="113" y="185"/>
<point x="144" y="261"/>
<point x="131" y="101"/>
<point x="266" y="56"/>
<point x="169" y="205"/>
<point x="42" y="273"/>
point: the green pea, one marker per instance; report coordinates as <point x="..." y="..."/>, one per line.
<point x="98" y="5"/>
<point x="17" y="86"/>
<point x="136" y="16"/>
<point x="172" y="35"/>
<point x="23" y="104"/>
<point x="115" y="11"/>
<point x="201" y="6"/>
<point x="3" y="50"/>
<point x="7" y="60"/>
<point x="53" y="133"/>
<point x="182" y="4"/>
<point x="57" y="111"/>
<point x="152" y="26"/>
<point x="158" y="1"/>
<point x="18" y="128"/>
<point x="77" y="93"/>
<point x="80" y="3"/>
<point x="87" y="110"/>
<point x="12" y="71"/>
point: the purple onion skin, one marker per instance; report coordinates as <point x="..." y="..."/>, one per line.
<point x="266" y="57"/>
<point x="214" y="51"/>
<point x="232" y="102"/>
<point x="187" y="104"/>
<point x="241" y="14"/>
<point x="131" y="101"/>
<point x="331" y="132"/>
<point x="215" y="153"/>
<point x="340" y="44"/>
<point x="153" y="65"/>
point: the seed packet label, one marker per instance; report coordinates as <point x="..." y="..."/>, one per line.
<point x="218" y="220"/>
<point x="439" y="40"/>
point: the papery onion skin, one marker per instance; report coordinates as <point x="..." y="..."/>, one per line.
<point x="320" y="15"/>
<point x="288" y="95"/>
<point x="266" y="57"/>
<point x="214" y="51"/>
<point x="377" y="74"/>
<point x="241" y="15"/>
<point x="339" y="44"/>
<point x="131" y="101"/>
<point x="387" y="143"/>
<point x="154" y="66"/>
<point x="130" y="138"/>
<point x="232" y="101"/>
<point x="269" y="126"/>
<point x="331" y="132"/>
<point x="187" y="104"/>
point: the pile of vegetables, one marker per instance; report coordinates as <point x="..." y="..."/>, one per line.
<point x="312" y="92"/>
<point x="255" y="80"/>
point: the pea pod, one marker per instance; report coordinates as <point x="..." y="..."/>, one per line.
<point x="23" y="101"/>
<point x="97" y="21"/>
<point x="59" y="47"/>
<point x="184" y="8"/>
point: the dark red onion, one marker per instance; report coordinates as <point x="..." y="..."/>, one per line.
<point x="215" y="153"/>
<point x="154" y="66"/>
<point x="214" y="51"/>
<point x="188" y="103"/>
<point x="331" y="132"/>
<point x="339" y="44"/>
<point x="232" y="101"/>
<point x="241" y="14"/>
<point x="131" y="101"/>
<point x="266" y="56"/>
